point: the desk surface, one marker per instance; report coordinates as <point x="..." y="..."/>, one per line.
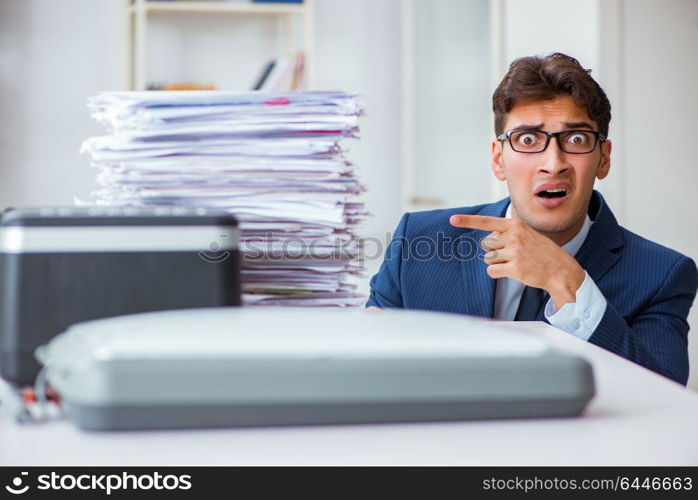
<point x="636" y="418"/>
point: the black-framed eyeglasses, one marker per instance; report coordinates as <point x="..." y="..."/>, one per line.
<point x="576" y="142"/>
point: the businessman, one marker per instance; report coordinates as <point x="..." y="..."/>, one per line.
<point x="552" y="250"/>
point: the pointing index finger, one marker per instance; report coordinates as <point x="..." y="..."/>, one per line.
<point x="483" y="222"/>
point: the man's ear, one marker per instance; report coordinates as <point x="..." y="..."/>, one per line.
<point x="497" y="165"/>
<point x="605" y="163"/>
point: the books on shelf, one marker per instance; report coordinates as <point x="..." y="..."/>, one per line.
<point x="282" y="74"/>
<point x="268" y="68"/>
<point x="273" y="159"/>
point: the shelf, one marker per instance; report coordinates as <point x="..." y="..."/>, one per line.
<point x="290" y="18"/>
<point x="220" y="7"/>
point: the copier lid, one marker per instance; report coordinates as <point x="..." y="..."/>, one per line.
<point x="288" y="333"/>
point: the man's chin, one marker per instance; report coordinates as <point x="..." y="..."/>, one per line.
<point x="554" y="221"/>
<point x="547" y="220"/>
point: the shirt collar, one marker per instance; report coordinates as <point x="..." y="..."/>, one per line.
<point x="572" y="246"/>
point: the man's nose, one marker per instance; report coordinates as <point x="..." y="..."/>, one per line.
<point x="554" y="160"/>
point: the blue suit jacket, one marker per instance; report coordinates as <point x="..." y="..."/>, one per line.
<point x="649" y="288"/>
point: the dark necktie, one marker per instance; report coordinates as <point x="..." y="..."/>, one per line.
<point x="531" y="301"/>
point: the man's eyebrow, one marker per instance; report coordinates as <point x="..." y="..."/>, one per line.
<point x="529" y="127"/>
<point x="585" y="125"/>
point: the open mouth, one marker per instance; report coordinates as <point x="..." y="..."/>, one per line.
<point x="552" y="193"/>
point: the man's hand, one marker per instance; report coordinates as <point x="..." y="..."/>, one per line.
<point x="515" y="250"/>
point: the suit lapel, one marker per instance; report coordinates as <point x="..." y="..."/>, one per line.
<point x="599" y="251"/>
<point x="480" y="289"/>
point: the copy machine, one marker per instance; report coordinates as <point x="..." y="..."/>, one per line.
<point x="260" y="366"/>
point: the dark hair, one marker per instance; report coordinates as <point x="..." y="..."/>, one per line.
<point x="542" y="78"/>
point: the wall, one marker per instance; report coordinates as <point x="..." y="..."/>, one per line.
<point x="661" y="103"/>
<point x="452" y="122"/>
<point x="52" y="56"/>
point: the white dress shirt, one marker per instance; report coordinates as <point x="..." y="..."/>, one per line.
<point x="580" y="318"/>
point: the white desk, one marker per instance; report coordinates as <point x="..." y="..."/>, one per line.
<point x="637" y="418"/>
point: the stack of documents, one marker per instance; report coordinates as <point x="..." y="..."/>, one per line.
<point x="271" y="159"/>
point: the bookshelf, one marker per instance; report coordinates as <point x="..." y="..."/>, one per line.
<point x="289" y="16"/>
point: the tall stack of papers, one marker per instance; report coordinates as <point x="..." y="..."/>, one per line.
<point x="273" y="160"/>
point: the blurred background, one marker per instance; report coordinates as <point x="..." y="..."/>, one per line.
<point x="426" y="70"/>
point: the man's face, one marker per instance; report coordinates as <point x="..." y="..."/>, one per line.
<point x="527" y="173"/>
